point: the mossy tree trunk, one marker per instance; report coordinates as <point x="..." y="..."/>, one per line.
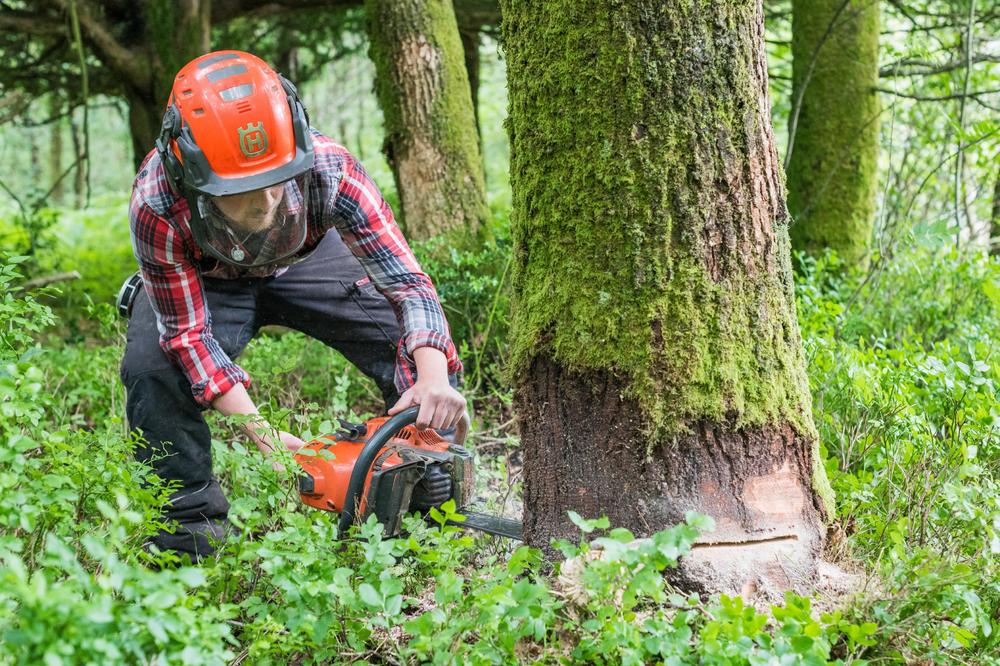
<point x="657" y="360"/>
<point x="431" y="140"/>
<point x="471" y="40"/>
<point x="834" y="125"/>
<point x="994" y="240"/>
<point x="174" y="34"/>
<point x="56" y="155"/>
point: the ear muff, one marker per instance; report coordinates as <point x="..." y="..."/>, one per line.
<point x="289" y="87"/>
<point x="294" y="102"/>
<point x="170" y="130"/>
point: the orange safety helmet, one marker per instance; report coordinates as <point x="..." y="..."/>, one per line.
<point x="232" y="126"/>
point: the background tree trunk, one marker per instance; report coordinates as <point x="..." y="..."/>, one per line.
<point x="175" y="33"/>
<point x="994" y="240"/>
<point x="431" y="140"/>
<point x="834" y="125"/>
<point x="470" y="48"/>
<point x="55" y="154"/>
<point x="656" y="353"/>
<point x="145" y="114"/>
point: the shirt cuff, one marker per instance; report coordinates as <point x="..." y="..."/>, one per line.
<point x="406" y="367"/>
<point x="224" y="379"/>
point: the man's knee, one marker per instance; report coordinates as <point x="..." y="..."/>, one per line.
<point x="175" y="440"/>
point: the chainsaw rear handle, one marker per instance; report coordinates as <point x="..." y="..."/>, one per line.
<point x="370" y="452"/>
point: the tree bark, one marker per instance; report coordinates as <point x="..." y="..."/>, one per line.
<point x="80" y="170"/>
<point x="431" y="141"/>
<point x="657" y="359"/>
<point x="994" y="239"/>
<point x="834" y="126"/>
<point x="175" y="33"/>
<point x="470" y="49"/>
<point x="55" y="155"/>
<point x="145" y="115"/>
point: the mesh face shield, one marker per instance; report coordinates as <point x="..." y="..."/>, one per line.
<point x="263" y="232"/>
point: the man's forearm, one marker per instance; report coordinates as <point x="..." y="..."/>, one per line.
<point x="432" y="364"/>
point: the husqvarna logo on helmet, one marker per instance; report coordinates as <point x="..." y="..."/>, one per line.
<point x="253" y="139"/>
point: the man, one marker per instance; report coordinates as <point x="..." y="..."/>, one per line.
<point x="243" y="216"/>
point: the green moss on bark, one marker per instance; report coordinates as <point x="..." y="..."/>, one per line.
<point x="832" y="173"/>
<point x="648" y="213"/>
<point x="431" y="137"/>
<point x="172" y="34"/>
<point x="177" y="33"/>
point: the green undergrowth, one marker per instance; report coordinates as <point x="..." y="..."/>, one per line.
<point x="77" y="586"/>
<point x="904" y="382"/>
<point x="905" y="372"/>
<point x="87" y="250"/>
<point x="475" y="286"/>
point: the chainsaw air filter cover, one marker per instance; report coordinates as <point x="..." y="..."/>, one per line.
<point x="415" y="471"/>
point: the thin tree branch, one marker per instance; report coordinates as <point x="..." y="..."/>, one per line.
<point x="224" y="10"/>
<point x="925" y="68"/>
<point x="30" y="24"/>
<point x="85" y="89"/>
<point x="910" y="11"/>
<point x="46" y="280"/>
<point x="940" y="98"/>
<point x="110" y="50"/>
<point x="937" y="167"/>
<point x="983" y="104"/>
<point x="17" y="199"/>
<point x="961" y="205"/>
<point x="63" y="114"/>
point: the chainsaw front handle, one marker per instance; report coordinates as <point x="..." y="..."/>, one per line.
<point x="370" y="452"/>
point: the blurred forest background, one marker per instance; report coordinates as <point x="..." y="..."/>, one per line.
<point x="898" y="297"/>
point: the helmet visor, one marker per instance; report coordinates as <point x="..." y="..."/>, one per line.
<point x="255" y="228"/>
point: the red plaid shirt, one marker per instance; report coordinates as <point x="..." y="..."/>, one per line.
<point x="172" y="265"/>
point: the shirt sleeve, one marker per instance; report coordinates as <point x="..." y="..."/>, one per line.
<point x="183" y="319"/>
<point x="367" y="225"/>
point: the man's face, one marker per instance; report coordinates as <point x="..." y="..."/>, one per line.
<point x="252" y="211"/>
<point x="254" y="228"/>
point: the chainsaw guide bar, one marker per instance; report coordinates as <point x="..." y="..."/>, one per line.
<point x="495" y="525"/>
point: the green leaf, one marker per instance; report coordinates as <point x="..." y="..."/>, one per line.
<point x="587" y="526"/>
<point x="369" y="595"/>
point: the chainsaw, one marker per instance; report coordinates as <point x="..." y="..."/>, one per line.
<point x="387" y="468"/>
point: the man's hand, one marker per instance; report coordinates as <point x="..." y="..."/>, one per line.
<point x="266" y="437"/>
<point x="441" y="406"/>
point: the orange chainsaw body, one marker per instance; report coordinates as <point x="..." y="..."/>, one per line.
<point x="414" y="468"/>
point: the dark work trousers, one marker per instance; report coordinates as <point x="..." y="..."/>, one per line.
<point x="326" y="296"/>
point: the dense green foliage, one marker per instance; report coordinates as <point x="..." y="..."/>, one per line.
<point x="905" y="391"/>
<point x="79" y="588"/>
<point x="905" y="382"/>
